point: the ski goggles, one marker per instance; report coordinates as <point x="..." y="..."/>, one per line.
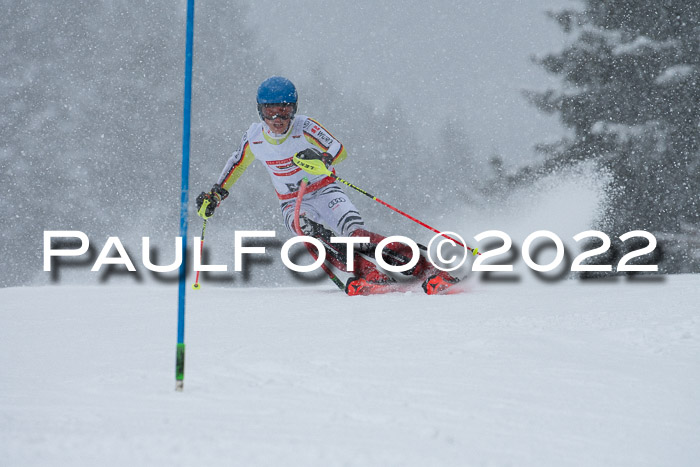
<point x="275" y="111"/>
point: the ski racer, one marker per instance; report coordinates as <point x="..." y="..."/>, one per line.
<point x="326" y="209"/>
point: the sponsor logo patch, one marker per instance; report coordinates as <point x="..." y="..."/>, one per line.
<point x="335" y="202"/>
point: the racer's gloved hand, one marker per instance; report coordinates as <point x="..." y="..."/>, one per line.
<point x="310" y="154"/>
<point x="208" y="202"/>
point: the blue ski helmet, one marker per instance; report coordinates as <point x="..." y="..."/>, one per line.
<point x="276" y="90"/>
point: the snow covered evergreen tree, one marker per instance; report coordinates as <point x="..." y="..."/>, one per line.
<point x="630" y="95"/>
<point x="90" y="133"/>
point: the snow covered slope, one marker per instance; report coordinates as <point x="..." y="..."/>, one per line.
<point x="529" y="374"/>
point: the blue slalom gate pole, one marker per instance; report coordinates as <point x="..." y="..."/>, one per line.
<point x="184" y="201"/>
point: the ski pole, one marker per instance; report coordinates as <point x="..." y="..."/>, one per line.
<point x="196" y="285"/>
<point x="297" y="229"/>
<point x="297" y="206"/>
<point x="317" y="167"/>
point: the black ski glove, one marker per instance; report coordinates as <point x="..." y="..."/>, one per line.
<point x="208" y="202"/>
<point x="315" y="154"/>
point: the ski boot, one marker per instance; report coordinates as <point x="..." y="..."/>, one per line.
<point x="438" y="283"/>
<point x="369" y="281"/>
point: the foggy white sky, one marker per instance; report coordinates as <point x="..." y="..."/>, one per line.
<point x="469" y="60"/>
